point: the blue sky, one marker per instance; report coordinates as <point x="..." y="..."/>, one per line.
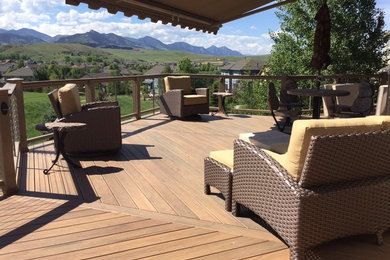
<point x="248" y="35"/>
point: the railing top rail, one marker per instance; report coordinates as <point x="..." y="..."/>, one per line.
<point x="10" y="87"/>
<point x="50" y="83"/>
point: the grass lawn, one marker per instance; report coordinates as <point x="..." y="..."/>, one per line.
<point x="39" y="110"/>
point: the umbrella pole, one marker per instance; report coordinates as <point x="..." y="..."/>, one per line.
<point x="319" y="79"/>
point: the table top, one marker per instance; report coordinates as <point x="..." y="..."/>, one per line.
<point x="318" y="92"/>
<point x="223" y="94"/>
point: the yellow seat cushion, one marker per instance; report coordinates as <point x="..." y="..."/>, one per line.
<point x="303" y="130"/>
<point x="195" y="99"/>
<point x="178" y="82"/>
<point x="69" y="99"/>
<point x="223" y="156"/>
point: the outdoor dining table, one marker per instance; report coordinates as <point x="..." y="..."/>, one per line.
<point x="317" y="95"/>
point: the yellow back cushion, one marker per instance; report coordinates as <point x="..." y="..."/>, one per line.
<point x="178" y="82"/>
<point x="303" y="130"/>
<point x="69" y="99"/>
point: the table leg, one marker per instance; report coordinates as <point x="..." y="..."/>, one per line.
<point x="56" y="139"/>
<point x="59" y="150"/>
<point x="316" y="107"/>
<point x="221" y="105"/>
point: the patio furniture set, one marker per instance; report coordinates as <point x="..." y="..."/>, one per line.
<point x="327" y="180"/>
<point x="331" y="182"/>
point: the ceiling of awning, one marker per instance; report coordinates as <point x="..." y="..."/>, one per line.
<point x="204" y="15"/>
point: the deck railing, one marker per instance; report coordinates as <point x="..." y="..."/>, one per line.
<point x="13" y="122"/>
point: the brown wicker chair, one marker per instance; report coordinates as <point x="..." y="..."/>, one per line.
<point x="289" y="109"/>
<point x="342" y="190"/>
<point x="358" y="103"/>
<point x="179" y="100"/>
<point x="103" y="133"/>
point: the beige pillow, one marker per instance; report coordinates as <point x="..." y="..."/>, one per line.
<point x="69" y="99"/>
<point x="178" y="82"/>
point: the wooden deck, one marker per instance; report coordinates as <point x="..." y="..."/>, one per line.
<point x="147" y="201"/>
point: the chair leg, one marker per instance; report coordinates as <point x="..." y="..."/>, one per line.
<point x="276" y="121"/>
<point x="379" y="237"/>
<point x="207" y="189"/>
<point x="235" y="208"/>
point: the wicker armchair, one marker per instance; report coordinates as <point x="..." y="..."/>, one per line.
<point x="179" y="100"/>
<point x="358" y="103"/>
<point x="103" y="133"/>
<point x="342" y="189"/>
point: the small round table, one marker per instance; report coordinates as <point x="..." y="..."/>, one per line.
<point x="317" y="94"/>
<point x="221" y="101"/>
<point x="60" y="129"/>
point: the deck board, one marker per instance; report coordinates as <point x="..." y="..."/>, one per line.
<point x="146" y="201"/>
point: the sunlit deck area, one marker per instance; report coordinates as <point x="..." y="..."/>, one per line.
<point x="147" y="201"/>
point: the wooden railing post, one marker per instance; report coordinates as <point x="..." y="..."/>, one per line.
<point x="90" y="92"/>
<point x="136" y="98"/>
<point x="21" y="115"/>
<point x="7" y="166"/>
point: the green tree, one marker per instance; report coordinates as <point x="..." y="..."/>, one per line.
<point x="356" y="37"/>
<point x="185" y="66"/>
<point x="20" y="64"/>
<point x="41" y="73"/>
<point x="167" y="69"/>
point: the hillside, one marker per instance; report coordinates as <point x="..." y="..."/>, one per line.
<point x="57" y="52"/>
<point x="110" y="40"/>
<point x="52" y="51"/>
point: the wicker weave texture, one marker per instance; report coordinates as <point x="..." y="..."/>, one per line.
<point x="103" y="133"/>
<point x="353" y="157"/>
<point x="219" y="176"/>
<point x="172" y="104"/>
<point x="307" y="217"/>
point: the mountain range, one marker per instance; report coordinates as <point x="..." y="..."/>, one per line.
<point x="110" y="40"/>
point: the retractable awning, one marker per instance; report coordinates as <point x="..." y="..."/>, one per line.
<point x="204" y="15"/>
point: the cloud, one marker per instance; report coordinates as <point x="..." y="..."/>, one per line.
<point x="253" y="27"/>
<point x="266" y="36"/>
<point x="73" y="17"/>
<point x="37" y="6"/>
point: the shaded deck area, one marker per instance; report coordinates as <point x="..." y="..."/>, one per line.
<point x="146" y="201"/>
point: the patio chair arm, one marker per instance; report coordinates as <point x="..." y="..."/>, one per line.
<point x="202" y="91"/>
<point x="173" y="101"/>
<point x="91" y="115"/>
<point x="252" y="160"/>
<point x="99" y="104"/>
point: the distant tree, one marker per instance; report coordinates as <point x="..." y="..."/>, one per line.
<point x="167" y="69"/>
<point x="20" y="64"/>
<point x="95" y="69"/>
<point x="185" y="66"/>
<point x="67" y="59"/>
<point x="356" y="37"/>
<point x="41" y="73"/>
